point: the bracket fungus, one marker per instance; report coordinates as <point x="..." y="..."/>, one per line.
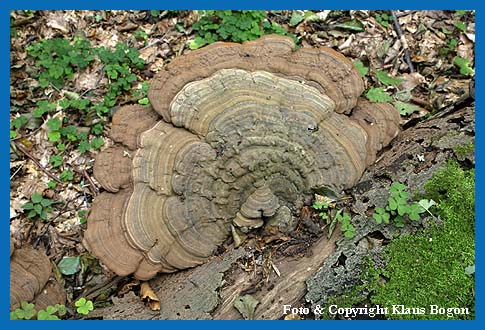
<point x="236" y="136"/>
<point x="30" y="270"/>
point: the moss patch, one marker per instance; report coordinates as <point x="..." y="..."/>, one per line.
<point x="428" y="268"/>
<point x="464" y="150"/>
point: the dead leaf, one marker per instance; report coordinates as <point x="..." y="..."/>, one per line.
<point x="411" y="80"/>
<point x="148" y="295"/>
<point x="292" y="317"/>
<point x="246" y="305"/>
<point x="58" y="22"/>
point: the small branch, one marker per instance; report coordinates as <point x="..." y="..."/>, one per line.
<point x="26" y="153"/>
<point x="403" y="41"/>
<point x="91" y="185"/>
<point x="156" y="42"/>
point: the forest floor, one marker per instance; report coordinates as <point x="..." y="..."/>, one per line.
<point x="64" y="91"/>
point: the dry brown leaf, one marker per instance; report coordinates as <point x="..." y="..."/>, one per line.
<point x="292" y="317"/>
<point x="149" y="296"/>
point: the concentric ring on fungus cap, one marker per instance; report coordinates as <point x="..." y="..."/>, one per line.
<point x="247" y="130"/>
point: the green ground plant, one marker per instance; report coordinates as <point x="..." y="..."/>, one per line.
<point x="57" y="60"/>
<point x="340" y="216"/>
<point x="233" y="25"/>
<point x="399" y="208"/>
<point x="38" y="206"/>
<point x="27" y="311"/>
<point x="433" y="267"/>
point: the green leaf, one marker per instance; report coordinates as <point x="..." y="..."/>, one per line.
<point x="25" y="312"/>
<point x="413" y="216"/>
<point x="470" y="270"/>
<point x="446" y="31"/>
<point x="32" y="214"/>
<point x="377" y="217"/>
<point x="97" y="143"/>
<point x="54" y="124"/>
<point x="397" y="187"/>
<point x="399" y="221"/>
<point x="426" y="204"/>
<point x="296" y="18"/>
<point x="83" y="146"/>
<point x="61" y="146"/>
<point x="352" y="25"/>
<point x="144" y="101"/>
<point x="405" y="109"/>
<point x="55" y="160"/>
<point x="452" y="43"/>
<point x="28" y="206"/>
<point x="84" y="306"/>
<point x="349" y="234"/>
<point x="464" y="65"/>
<point x="61" y="309"/>
<point x="386" y="217"/>
<point x="392" y="203"/>
<point x="320" y="205"/>
<point x="97" y="129"/>
<point x="19" y="122"/>
<point x="54" y="136"/>
<point x="69" y="265"/>
<point x="66" y="175"/>
<point x="48" y="314"/>
<point x="36" y="197"/>
<point x="363" y="70"/>
<point x="197" y="43"/>
<point x="38" y="208"/>
<point x="384" y="78"/>
<point x="52" y="184"/>
<point x="461" y="26"/>
<point x="377" y="94"/>
<point x="46" y="202"/>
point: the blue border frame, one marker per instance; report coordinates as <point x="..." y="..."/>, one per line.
<point x="7" y="5"/>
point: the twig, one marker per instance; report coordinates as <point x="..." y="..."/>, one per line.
<point x="91" y="186"/>
<point x="26" y="153"/>
<point x="15" y="173"/>
<point x="51" y="221"/>
<point x="156" y="42"/>
<point x="403" y="41"/>
<point x="26" y="135"/>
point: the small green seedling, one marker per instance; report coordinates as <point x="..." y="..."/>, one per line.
<point x="464" y="65"/>
<point x="50" y="312"/>
<point x="66" y="175"/>
<point x="384" y="19"/>
<point x="25" y="312"/>
<point x="363" y="70"/>
<point x="321" y="206"/>
<point x="386" y="79"/>
<point x="377" y="94"/>
<point x="84" y="306"/>
<point x="38" y="206"/>
<point x="398" y="209"/>
<point x="347" y="228"/>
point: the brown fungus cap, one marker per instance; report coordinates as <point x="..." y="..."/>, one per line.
<point x="30" y="270"/>
<point x="247" y="130"/>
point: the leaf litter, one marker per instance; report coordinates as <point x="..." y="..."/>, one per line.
<point x="441" y="45"/>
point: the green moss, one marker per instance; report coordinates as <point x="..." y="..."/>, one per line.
<point x="428" y="268"/>
<point x="464" y="150"/>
